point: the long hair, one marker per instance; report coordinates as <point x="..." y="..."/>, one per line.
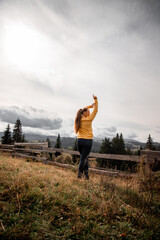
<point x="78" y="119"/>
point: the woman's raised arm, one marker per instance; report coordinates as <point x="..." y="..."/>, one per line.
<point x="93" y="114"/>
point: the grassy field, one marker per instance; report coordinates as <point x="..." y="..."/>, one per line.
<point x="39" y="201"/>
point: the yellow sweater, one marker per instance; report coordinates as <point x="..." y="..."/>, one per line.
<point x="85" y="130"/>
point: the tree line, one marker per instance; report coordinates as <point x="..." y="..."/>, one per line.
<point x="15" y="136"/>
<point x="114" y="146"/>
<point x="117" y="146"/>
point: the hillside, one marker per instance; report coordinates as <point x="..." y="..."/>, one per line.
<point x="42" y="202"/>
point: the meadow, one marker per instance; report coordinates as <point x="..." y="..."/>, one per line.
<point x="39" y="201"/>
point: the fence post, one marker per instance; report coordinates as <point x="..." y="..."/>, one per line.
<point x="152" y="159"/>
<point x="46" y="154"/>
<point x="13" y="152"/>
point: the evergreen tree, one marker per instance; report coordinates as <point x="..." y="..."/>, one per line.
<point x="23" y="138"/>
<point x="128" y="151"/>
<point x="7" y="138"/>
<point x="106" y="146"/>
<point x="74" y="157"/>
<point x="149" y="143"/>
<point x="49" y="142"/>
<point x="58" y="142"/>
<point x="115" y="144"/>
<point x="75" y="145"/>
<point x="58" y="145"/>
<point x="118" y="144"/>
<point x="49" y="146"/>
<point x="122" y="145"/>
<point x="118" y="148"/>
<point x="17" y="132"/>
<point x="138" y="152"/>
<point x="158" y="148"/>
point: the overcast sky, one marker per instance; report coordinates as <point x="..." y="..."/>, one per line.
<point x="54" y="54"/>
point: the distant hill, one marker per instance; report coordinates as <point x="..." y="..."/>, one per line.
<point x="133" y="144"/>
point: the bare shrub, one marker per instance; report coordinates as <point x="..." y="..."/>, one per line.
<point x="51" y="157"/>
<point x="148" y="180"/>
<point x="64" y="158"/>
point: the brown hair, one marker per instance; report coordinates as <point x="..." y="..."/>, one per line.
<point x="78" y="119"/>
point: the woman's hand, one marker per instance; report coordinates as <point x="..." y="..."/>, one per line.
<point x="94" y="97"/>
<point x="92" y="105"/>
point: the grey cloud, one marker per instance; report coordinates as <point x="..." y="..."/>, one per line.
<point x="45" y="80"/>
<point x="62" y="7"/>
<point x="111" y="129"/>
<point x="133" y="125"/>
<point x="36" y="110"/>
<point x="152" y="8"/>
<point x="42" y="86"/>
<point x="157" y="130"/>
<point x="10" y="116"/>
<point x="27" y="110"/>
<point x="104" y="134"/>
<point x="132" y="135"/>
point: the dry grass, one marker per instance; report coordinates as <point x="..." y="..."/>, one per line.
<point x="39" y="201"/>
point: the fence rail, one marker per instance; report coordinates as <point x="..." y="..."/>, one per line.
<point x="40" y="152"/>
<point x="42" y="147"/>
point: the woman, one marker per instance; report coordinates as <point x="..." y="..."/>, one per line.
<point x="83" y="129"/>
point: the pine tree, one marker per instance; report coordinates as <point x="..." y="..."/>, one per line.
<point x="49" y="146"/>
<point x="58" y="145"/>
<point x="128" y="151"/>
<point x="58" y="142"/>
<point x="49" y="142"/>
<point x="122" y="145"/>
<point x="74" y="157"/>
<point x="118" y="144"/>
<point x="106" y="146"/>
<point x="7" y="138"/>
<point x="17" y="132"/>
<point x="115" y="144"/>
<point x="149" y="143"/>
<point x="23" y="138"/>
<point x="138" y="152"/>
<point x="75" y="145"/>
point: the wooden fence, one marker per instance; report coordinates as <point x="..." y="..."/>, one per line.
<point x="41" y="152"/>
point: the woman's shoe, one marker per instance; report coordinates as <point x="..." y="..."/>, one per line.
<point x="86" y="177"/>
<point x="79" y="175"/>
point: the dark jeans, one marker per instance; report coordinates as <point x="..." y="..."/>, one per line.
<point x="84" y="147"/>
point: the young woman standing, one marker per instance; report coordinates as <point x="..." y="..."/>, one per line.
<point x="83" y="129"/>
